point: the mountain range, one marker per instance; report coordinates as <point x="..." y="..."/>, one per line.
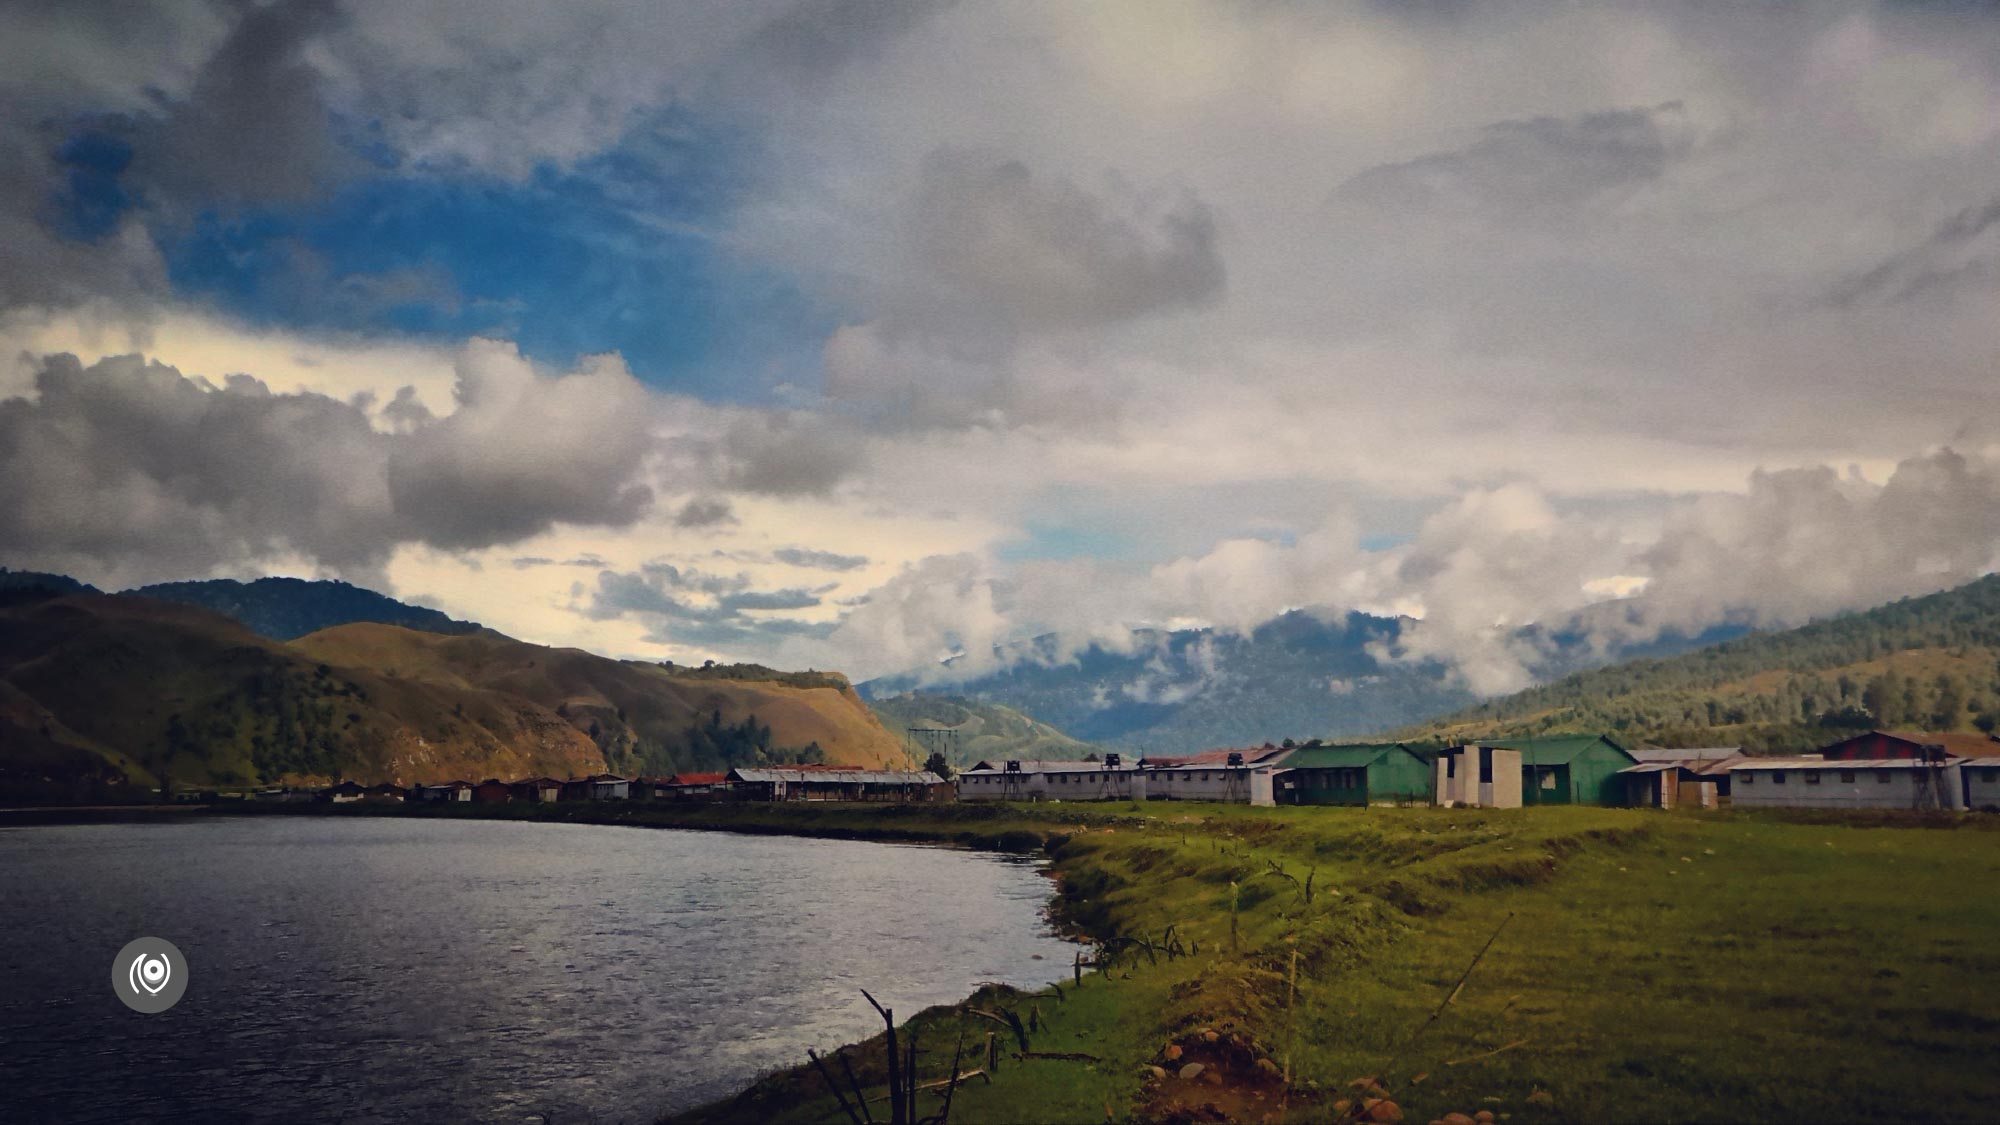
<point x="1296" y="676"/>
<point x="977" y="730"/>
<point x="99" y="692"/>
<point x="1929" y="663"/>
<point x="316" y="680"/>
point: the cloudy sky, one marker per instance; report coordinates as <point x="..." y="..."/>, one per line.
<point x="849" y="335"/>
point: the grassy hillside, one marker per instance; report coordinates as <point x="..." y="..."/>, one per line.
<point x="985" y="730"/>
<point x="1929" y="663"/>
<point x="150" y="689"/>
<point x="101" y="694"/>
<point x="1636" y="966"/>
<point x="645" y="718"/>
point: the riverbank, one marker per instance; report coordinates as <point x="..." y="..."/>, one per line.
<point x="1643" y="966"/>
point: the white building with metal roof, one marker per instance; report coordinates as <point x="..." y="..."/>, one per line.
<point x="1023" y="780"/>
<point x="1855" y="783"/>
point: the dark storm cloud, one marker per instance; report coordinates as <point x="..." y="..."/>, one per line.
<point x="688" y="606"/>
<point x="705" y="511"/>
<point x="793" y="454"/>
<point x="127" y="471"/>
<point x="118" y="112"/>
<point x="1962" y="252"/>
<point x="818" y="560"/>
<point x="255" y="124"/>
<point x="1532" y="165"/>
<point x="811" y="42"/>
<point x="531" y="562"/>
<point x="1049" y="253"/>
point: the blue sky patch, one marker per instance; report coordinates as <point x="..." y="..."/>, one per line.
<point x="93" y="197"/>
<point x="615" y="255"/>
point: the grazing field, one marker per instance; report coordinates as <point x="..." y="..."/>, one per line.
<point x="1643" y="967"/>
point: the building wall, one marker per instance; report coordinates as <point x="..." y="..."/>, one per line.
<point x="1399" y="777"/>
<point x="1546" y="785"/>
<point x="1905" y="788"/>
<point x="1646" y="791"/>
<point x="1331" y="785"/>
<point x="1458" y="778"/>
<point x="1068" y="785"/>
<point x="1200" y="783"/>
<point x="1593" y="775"/>
<point x="1982" y="787"/>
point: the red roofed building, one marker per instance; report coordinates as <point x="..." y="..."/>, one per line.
<point x="1880" y="745"/>
<point x="691" y="785"/>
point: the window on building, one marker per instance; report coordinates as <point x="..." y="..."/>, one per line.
<point x="1882" y="777"/>
<point x="1747" y="777"/>
<point x="1812" y="777"/>
<point x="1989" y="775"/>
<point x="1847" y="777"/>
<point x="1777" y="777"/>
<point x="1549" y="780"/>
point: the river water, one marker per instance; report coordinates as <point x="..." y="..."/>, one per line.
<point x="393" y="970"/>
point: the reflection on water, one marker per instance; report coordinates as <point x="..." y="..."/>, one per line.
<point x="387" y="970"/>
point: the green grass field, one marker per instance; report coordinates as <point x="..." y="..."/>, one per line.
<point x="1648" y="966"/>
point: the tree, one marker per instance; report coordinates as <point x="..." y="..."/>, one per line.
<point x="1883" y="697"/>
<point x="1950" y="705"/>
<point x="938" y="764"/>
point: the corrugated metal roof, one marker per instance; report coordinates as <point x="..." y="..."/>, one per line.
<point x="1252" y="755"/>
<point x="1341" y="757"/>
<point x="1957" y="743"/>
<point x="1554" y="749"/>
<point x="1047" y="767"/>
<point x="835" y="775"/>
<point x="1696" y="754"/>
<point x="1823" y="764"/>
<point x="1981" y="763"/>
<point x="694" y="779"/>
<point x="1656" y="767"/>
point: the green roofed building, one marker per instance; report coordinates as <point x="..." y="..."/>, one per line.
<point x="1374" y="774"/>
<point x="1569" y="769"/>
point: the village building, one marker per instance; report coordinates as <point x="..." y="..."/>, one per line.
<point x="1362" y="774"/>
<point x="836" y="783"/>
<point x="1562" y="769"/>
<point x="597" y="787"/>
<point x="692" y="786"/>
<point x="1474" y="776"/>
<point x="345" y="792"/>
<point x="492" y="791"/>
<point x="1850" y="783"/>
<point x="387" y="791"/>
<point x="1112" y="779"/>
<point x="1672" y="779"/>
<point x="536" y="789"/>
<point x="1237" y="776"/>
<point x="1911" y="744"/>
<point x="1981" y="777"/>
<point x="446" y="791"/>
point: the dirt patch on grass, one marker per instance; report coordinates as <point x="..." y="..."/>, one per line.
<point x="1196" y="1079"/>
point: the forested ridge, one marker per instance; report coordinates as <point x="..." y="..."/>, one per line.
<point x="1927" y="663"/>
